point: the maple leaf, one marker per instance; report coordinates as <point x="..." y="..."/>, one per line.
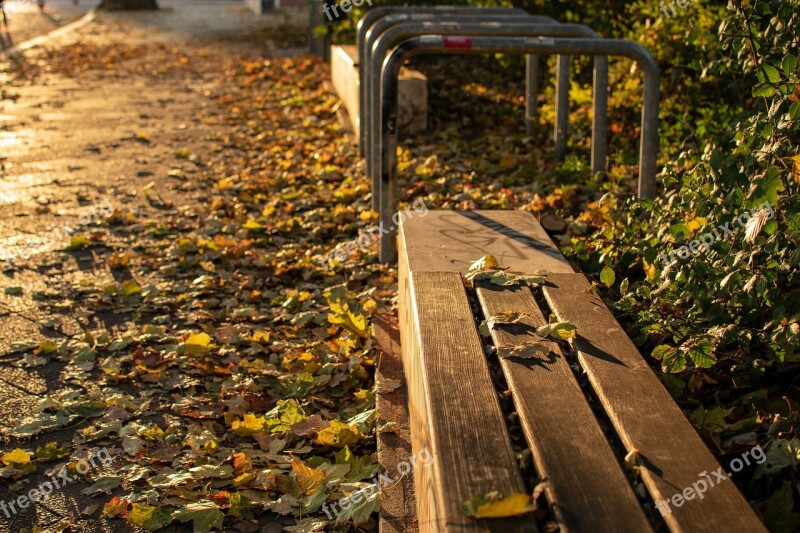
<point x="309" y="479"/>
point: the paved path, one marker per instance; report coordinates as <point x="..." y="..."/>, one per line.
<point x="26" y="20"/>
<point x="73" y="141"/>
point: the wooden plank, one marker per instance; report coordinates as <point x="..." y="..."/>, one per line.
<point x="453" y="407"/>
<point x="586" y="485"/>
<point x="398" y="504"/>
<point x="451" y="240"/>
<point x="672" y="454"/>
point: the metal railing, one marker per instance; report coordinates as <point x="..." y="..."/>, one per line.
<point x="476" y="44"/>
<point x="396" y="34"/>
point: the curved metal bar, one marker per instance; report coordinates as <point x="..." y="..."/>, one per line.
<point x="521" y="28"/>
<point x="648" y="146"/>
<point x="474" y="17"/>
<point x="370" y="28"/>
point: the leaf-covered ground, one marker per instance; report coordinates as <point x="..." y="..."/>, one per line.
<point x="192" y="331"/>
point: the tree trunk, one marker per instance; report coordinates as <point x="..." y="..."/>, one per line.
<point x="127" y="5"/>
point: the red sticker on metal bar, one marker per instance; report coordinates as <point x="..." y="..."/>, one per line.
<point x="458" y="42"/>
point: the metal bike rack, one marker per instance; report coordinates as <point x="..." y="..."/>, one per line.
<point x="523" y="28"/>
<point x="374" y="26"/>
<point x="366" y="23"/>
<point x="511" y="16"/>
<point x="648" y="145"/>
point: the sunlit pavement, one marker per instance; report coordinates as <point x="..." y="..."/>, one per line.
<point x="26" y="20"/>
<point x="68" y="145"/>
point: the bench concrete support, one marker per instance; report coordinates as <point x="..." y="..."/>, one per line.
<point x="412" y="101"/>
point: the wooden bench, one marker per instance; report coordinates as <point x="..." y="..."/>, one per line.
<point x="455" y="412"/>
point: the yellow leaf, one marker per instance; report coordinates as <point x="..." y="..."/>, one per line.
<point x="796" y="173"/>
<point x="198" y="343"/>
<point x="77" y="242"/>
<point x="309" y="479"/>
<point x="260" y="336"/>
<point x="487" y="262"/>
<point x="338" y="435"/>
<point x="649" y="269"/>
<point x="512" y="505"/>
<point x="244" y="479"/>
<point x="249" y="425"/>
<point x="17" y="458"/>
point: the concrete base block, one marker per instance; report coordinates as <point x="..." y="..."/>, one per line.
<point x="412" y="101"/>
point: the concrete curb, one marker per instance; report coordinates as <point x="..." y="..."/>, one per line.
<point x="58" y="32"/>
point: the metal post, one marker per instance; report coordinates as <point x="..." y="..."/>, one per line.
<point x="562" y="107"/>
<point x="532" y="90"/>
<point x="438" y="44"/>
<point x="600" y="115"/>
<point x="397" y="33"/>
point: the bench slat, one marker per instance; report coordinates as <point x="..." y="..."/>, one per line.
<point x="586" y="484"/>
<point x="645" y="416"/>
<point x="453" y="406"/>
<point x="450" y="241"/>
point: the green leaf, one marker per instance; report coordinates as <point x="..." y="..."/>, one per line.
<point x="702" y="354"/>
<point x="51" y="452"/>
<point x="672" y="359"/>
<point x="78" y="242"/>
<point x="559" y="331"/>
<point x="607" y="277"/>
<point x="151" y="518"/>
<point x="764" y="90"/>
<point x="773" y="75"/>
<point x="789" y="64"/>
<point x="103" y="484"/>
<point x="359" y="511"/>
<point x="205" y="516"/>
<point x="779" y="516"/>
<point x="14" y="291"/>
